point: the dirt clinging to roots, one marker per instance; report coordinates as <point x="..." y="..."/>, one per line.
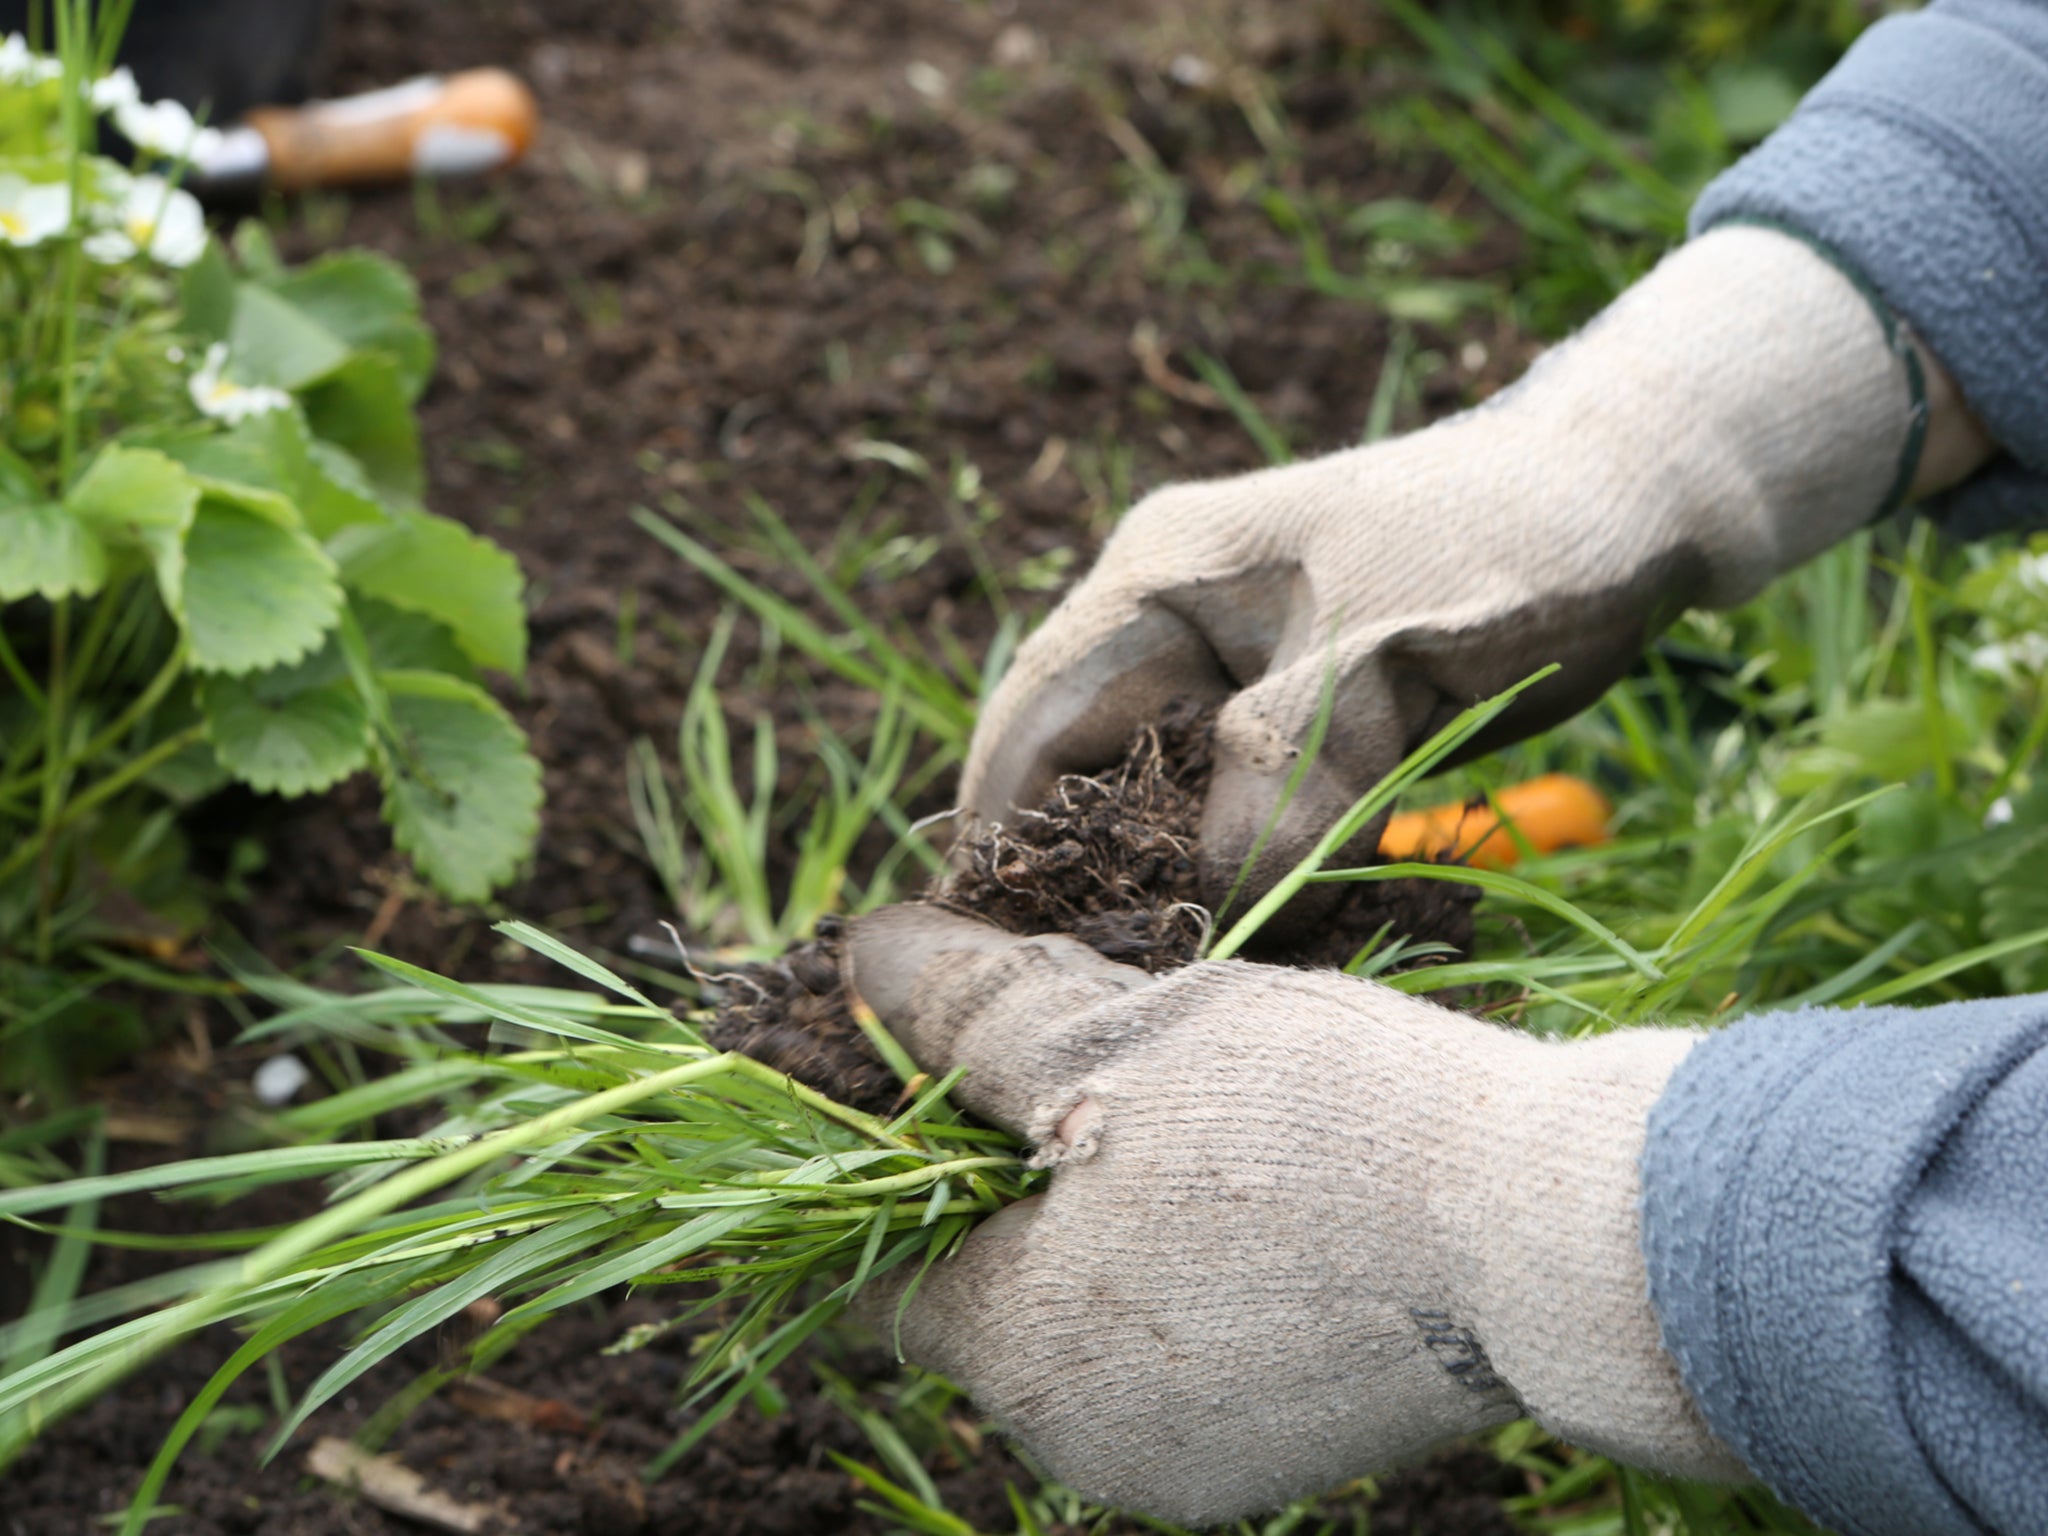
<point x="1113" y="859"/>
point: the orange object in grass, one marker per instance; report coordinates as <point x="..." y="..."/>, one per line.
<point x="1553" y="811"/>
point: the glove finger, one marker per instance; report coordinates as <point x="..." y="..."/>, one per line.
<point x="997" y="1321"/>
<point x="960" y="992"/>
<point x="1080" y="687"/>
<point x="1261" y="736"/>
<point x="943" y="1322"/>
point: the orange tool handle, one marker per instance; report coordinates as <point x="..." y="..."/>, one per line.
<point x="458" y="125"/>
<point x="1552" y="811"/>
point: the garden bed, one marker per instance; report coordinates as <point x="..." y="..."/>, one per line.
<point x="720" y="276"/>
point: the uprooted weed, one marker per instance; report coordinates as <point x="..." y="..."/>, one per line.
<point x="1112" y="858"/>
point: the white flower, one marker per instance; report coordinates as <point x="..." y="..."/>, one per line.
<point x="223" y="399"/>
<point x="165" y="129"/>
<point x="2013" y="660"/>
<point x="2031" y="572"/>
<point x="149" y="215"/>
<point x="31" y="212"/>
<point x="115" y="91"/>
<point x="20" y="66"/>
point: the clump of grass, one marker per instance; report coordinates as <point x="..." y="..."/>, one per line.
<point x="611" y="1147"/>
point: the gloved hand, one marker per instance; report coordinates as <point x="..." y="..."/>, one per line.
<point x="1300" y="1226"/>
<point x="1736" y="412"/>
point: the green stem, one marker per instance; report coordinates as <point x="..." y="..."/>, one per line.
<point x="2028" y="749"/>
<point x="52" y="777"/>
<point x="106" y="607"/>
<point x="108" y="787"/>
<point x="894" y="1183"/>
<point x="11" y="664"/>
<point x="831" y="1109"/>
<point x="53" y="712"/>
<point x="1369" y="805"/>
<point x="73" y="47"/>
<point x="151" y="696"/>
<point x="1929" y="656"/>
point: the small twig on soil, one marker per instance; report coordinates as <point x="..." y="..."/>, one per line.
<point x="1160" y="375"/>
<point x="391" y="1485"/>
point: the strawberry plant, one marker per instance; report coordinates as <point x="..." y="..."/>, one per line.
<point x="215" y="564"/>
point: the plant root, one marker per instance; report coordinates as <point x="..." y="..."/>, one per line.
<point x="1111" y="858"/>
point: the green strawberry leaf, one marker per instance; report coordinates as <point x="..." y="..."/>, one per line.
<point x="142" y="499"/>
<point x="362" y="407"/>
<point x="335" y="491"/>
<point x="207" y="291"/>
<point x="403" y="641"/>
<point x="370" y="304"/>
<point x="275" y="455"/>
<point x="256" y="595"/>
<point x="435" y="566"/>
<point x="289" y="731"/>
<point x="461" y="792"/>
<point x="46" y="552"/>
<point x="271" y="342"/>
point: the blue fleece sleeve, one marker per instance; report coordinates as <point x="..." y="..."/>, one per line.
<point x="1922" y="160"/>
<point x="1845" y="1218"/>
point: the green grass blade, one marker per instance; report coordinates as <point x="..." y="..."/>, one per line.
<point x="1941" y="970"/>
<point x="500" y="1272"/>
<point x="1375" y="800"/>
<point x="63" y="1271"/>
<point x="272" y="1166"/>
<point x="1513" y="888"/>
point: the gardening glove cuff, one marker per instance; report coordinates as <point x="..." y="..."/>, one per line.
<point x="1300" y="1227"/>
<point x="1737" y="411"/>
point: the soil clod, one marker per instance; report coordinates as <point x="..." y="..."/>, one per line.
<point x="1112" y="858"/>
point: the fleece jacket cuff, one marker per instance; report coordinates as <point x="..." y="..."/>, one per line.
<point x="1842" y="1223"/>
<point x="1922" y="161"/>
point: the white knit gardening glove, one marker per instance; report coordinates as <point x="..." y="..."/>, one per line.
<point x="1736" y="412"/>
<point x="1300" y="1227"/>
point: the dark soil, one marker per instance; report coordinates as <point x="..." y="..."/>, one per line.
<point x="1112" y="858"/>
<point x="714" y="281"/>
<point x="560" y="1453"/>
<point x="757" y="234"/>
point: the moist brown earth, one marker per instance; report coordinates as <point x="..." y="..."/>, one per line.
<point x="751" y="246"/>
<point x="758" y="237"/>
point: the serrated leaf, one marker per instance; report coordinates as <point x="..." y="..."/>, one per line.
<point x="143" y="499"/>
<point x="242" y="465"/>
<point x="362" y="407"/>
<point x="134" y="485"/>
<point x="461" y="792"/>
<point x="256" y="595"/>
<point x="272" y="343"/>
<point x="276" y="454"/>
<point x="337" y="492"/>
<point x="402" y="641"/>
<point x="46" y="552"/>
<point x="369" y="303"/>
<point x="289" y="731"/>
<point x="435" y="566"/>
